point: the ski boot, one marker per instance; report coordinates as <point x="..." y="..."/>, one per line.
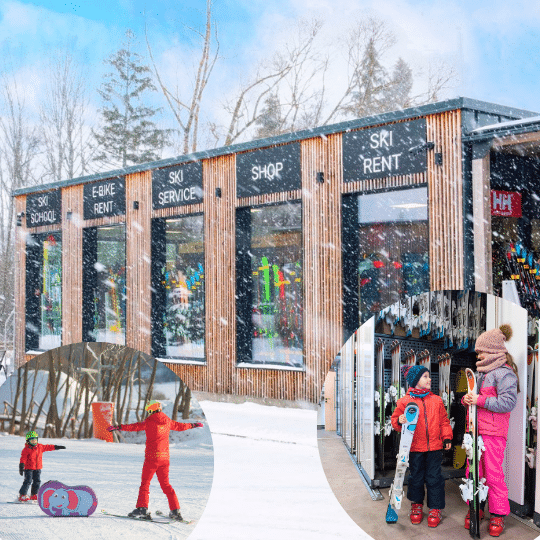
<point x="139" y="513"/>
<point x="416" y="513"/>
<point x="496" y="525"/>
<point x="23" y="498"/>
<point x="33" y="497"/>
<point x="176" y="515"/>
<point x="434" y="517"/>
<point x="468" y="518"/>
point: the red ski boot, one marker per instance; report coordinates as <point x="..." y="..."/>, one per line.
<point x="434" y="517"/>
<point x="496" y="525"/>
<point x="416" y="513"/>
<point x="468" y="518"/>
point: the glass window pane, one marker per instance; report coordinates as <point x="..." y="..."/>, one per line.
<point x="276" y="272"/>
<point x="183" y="277"/>
<point x="110" y="291"/>
<point x="394" y="248"/>
<point x="44" y="291"/>
<point x="51" y="293"/>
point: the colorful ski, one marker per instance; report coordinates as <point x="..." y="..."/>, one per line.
<point x="473" y="490"/>
<point x="407" y="434"/>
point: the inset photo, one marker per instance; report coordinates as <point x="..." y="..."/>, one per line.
<point x="430" y="419"/>
<point x="107" y="433"/>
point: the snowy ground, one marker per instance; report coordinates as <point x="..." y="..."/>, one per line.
<point x="268" y="483"/>
<point x="268" y="478"/>
<point x="113" y="471"/>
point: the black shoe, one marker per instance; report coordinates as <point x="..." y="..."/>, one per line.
<point x="139" y="513"/>
<point x="175" y="514"/>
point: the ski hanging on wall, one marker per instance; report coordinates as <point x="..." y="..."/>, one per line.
<point x="395" y="388"/>
<point x="383" y="426"/>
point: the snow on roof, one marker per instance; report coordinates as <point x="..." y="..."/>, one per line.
<point x="508" y="124"/>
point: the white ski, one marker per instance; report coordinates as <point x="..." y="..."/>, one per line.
<point x="396" y="489"/>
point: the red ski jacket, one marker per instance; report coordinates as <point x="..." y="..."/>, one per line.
<point x="157" y="427"/>
<point x="31" y="455"/>
<point x="433" y="426"/>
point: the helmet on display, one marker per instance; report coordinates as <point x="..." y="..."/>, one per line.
<point x="153" y="406"/>
<point x="31" y="435"/>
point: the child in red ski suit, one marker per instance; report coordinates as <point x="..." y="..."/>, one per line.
<point x="31" y="464"/>
<point x="156" y="457"/>
<point x="498" y="386"/>
<point x="433" y="433"/>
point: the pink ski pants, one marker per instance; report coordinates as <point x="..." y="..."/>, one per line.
<point x="491" y="468"/>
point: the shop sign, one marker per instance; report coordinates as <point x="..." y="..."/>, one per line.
<point x="268" y="170"/>
<point x="505" y="203"/>
<point x="390" y="150"/>
<point x="177" y="186"/>
<point x="105" y="198"/>
<point x="44" y="208"/>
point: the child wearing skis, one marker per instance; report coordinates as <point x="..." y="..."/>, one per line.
<point x="31" y="464"/>
<point x="433" y="433"/>
<point x="156" y="457"/>
<point x="498" y="386"/>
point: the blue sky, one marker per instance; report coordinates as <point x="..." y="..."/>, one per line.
<point x="493" y="45"/>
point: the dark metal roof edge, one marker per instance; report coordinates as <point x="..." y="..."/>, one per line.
<point x="394" y="116"/>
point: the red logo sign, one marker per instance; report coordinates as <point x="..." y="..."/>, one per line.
<point x="505" y="203"/>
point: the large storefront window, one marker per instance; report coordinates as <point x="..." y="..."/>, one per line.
<point x="104" y="284"/>
<point x="178" y="283"/>
<point x="269" y="285"/>
<point x="44" y="291"/>
<point x="387" y="234"/>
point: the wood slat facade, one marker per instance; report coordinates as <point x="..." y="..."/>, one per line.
<point x="322" y="189"/>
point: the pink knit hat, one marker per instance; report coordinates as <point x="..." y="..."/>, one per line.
<point x="491" y="344"/>
<point x="493" y="341"/>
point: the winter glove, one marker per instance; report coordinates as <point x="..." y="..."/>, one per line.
<point x="197" y="424"/>
<point x="21" y="468"/>
<point x="56" y="447"/>
<point x="114" y="428"/>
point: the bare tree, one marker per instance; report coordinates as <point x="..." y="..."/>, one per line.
<point x="440" y="76"/>
<point x="187" y="111"/>
<point x="66" y="138"/>
<point x="19" y="146"/>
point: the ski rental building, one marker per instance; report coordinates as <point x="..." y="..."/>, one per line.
<point x="246" y="268"/>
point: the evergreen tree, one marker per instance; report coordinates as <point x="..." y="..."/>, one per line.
<point x="398" y="93"/>
<point x="368" y="97"/>
<point x="270" y="120"/>
<point x="128" y="134"/>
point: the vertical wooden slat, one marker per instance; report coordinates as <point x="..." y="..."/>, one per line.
<point x="321" y="207"/>
<point x="138" y="261"/>
<point x="220" y="274"/>
<point x="72" y="263"/>
<point x="445" y="188"/>
<point x="20" y="285"/>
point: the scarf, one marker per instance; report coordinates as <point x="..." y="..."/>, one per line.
<point x="418" y="393"/>
<point x="491" y="362"/>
